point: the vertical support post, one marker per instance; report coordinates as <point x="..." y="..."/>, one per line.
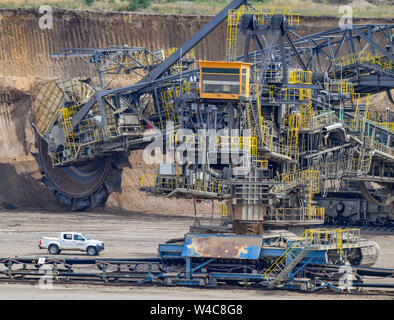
<point x="246" y="48"/>
<point x="284" y="62"/>
<point x="156" y="105"/>
<point x="54" y="270"/>
<point x="99" y="99"/>
<point x="96" y="60"/>
<point x="182" y="106"/>
<point x="104" y="272"/>
<point x="10" y="275"/>
<point x="188" y="268"/>
<point x="258" y="44"/>
<point x="231" y="115"/>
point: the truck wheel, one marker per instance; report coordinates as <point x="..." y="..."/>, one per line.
<point x="91" y="251"/>
<point x="53" y="249"/>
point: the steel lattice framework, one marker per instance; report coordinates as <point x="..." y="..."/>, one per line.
<point x="291" y="113"/>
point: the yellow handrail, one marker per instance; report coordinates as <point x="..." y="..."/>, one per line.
<point x="284" y="255"/>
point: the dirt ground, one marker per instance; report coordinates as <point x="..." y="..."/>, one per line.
<point x="128" y="234"/>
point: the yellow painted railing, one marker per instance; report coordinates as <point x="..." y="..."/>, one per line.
<point x="263" y="164"/>
<point x="224" y="211"/>
<point x="177" y="67"/>
<point x="263" y="15"/>
<point x="229" y="143"/>
<point x="300" y="76"/>
<point x="291" y="180"/>
<point x="388" y="125"/>
<point x="148" y="180"/>
<point x="380" y="62"/>
<point x="166" y="183"/>
<point x="315" y="239"/>
<point x="381" y="116"/>
<point x="168" y="104"/>
<point x="70" y="149"/>
<point x="279" y="262"/>
<point x="373" y="144"/>
<point x="309" y="213"/>
<point x="332" y="238"/>
<point x="220" y="143"/>
<point x="341" y="87"/>
<point x="316" y="213"/>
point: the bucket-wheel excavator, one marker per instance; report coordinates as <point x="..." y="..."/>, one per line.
<point x="280" y="131"/>
<point x="305" y="101"/>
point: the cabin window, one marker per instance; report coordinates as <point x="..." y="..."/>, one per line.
<point x="224" y="80"/>
<point x="243" y="81"/>
<point x="220" y="80"/>
<point x="67" y="236"/>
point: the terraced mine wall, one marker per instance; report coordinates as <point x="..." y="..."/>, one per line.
<point x="25" y="64"/>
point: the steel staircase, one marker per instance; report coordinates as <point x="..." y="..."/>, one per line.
<point x="284" y="273"/>
<point x="256" y="121"/>
<point x="282" y="267"/>
<point x="68" y="130"/>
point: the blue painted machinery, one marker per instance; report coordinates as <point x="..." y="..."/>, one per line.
<point x="279" y="260"/>
<point x="273" y="261"/>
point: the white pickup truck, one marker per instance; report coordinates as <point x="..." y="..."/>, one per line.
<point x="71" y="241"/>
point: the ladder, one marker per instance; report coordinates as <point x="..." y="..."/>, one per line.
<point x="68" y="130"/>
<point x="339" y="241"/>
<point x="293" y="130"/>
<point x="168" y="104"/>
<point x="307" y="113"/>
<point x="232" y="33"/>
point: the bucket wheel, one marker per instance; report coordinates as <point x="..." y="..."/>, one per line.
<point x="385" y="198"/>
<point x="81" y="184"/>
<point x="385" y="190"/>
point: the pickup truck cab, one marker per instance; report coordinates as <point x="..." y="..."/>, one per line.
<point x="71" y="241"/>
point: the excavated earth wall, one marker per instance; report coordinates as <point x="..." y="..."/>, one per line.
<point x="25" y="64"/>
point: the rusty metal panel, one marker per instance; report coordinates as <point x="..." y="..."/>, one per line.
<point x="222" y="246"/>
